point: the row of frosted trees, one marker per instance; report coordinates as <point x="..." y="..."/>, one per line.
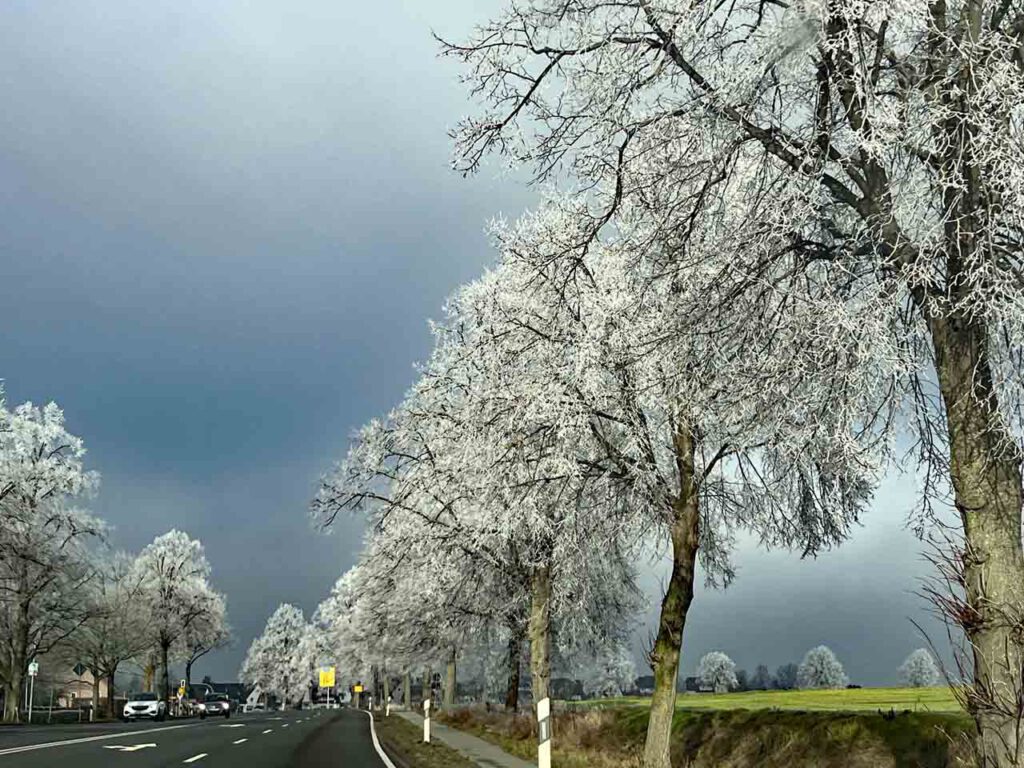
<point x="65" y="596"/>
<point x="780" y="252"/>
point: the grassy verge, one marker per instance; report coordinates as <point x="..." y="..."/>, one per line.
<point x="403" y="741"/>
<point x="737" y="738"/>
<point x="938" y="699"/>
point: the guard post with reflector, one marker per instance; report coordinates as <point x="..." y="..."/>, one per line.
<point x="426" y="721"/>
<point x="544" y="733"/>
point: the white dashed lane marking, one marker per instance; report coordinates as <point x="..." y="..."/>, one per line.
<point x="196" y="758"/>
<point x="240" y="741"/>
<point x="268" y="730"/>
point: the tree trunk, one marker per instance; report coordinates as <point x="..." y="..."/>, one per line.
<point x="165" y="648"/>
<point x="188" y="672"/>
<point x="387" y="688"/>
<point x="426" y="686"/>
<point x="408" y="690"/>
<point x="95" y="693"/>
<point x="685" y="535"/>
<point x="515" y="648"/>
<point x="986" y="477"/>
<point x="111" y="703"/>
<point x="450" y="683"/>
<point x="540" y="633"/>
<point x="12" y="695"/>
<point x="149" y="673"/>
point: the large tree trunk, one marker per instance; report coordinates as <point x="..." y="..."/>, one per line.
<point x="165" y="648"/>
<point x="450" y="683"/>
<point x="95" y="693"/>
<point x="408" y="690"/>
<point x="985" y="472"/>
<point x="110" y="693"/>
<point x="426" y="686"/>
<point x="12" y="695"/>
<point x="19" y="659"/>
<point x="188" y="672"/>
<point x="540" y="633"/>
<point x="515" y="648"/>
<point x="387" y="688"/>
<point x="685" y="535"/>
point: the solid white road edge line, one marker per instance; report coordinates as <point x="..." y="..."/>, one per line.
<point x="67" y="742"/>
<point x="376" y="744"/>
<point x="200" y="756"/>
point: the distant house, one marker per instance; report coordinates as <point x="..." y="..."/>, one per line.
<point x="565" y="688"/>
<point x="645" y="685"/>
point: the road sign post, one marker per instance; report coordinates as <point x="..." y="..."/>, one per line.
<point x="327" y="681"/>
<point x="33" y="670"/>
<point x="79" y="670"/>
<point x="426" y="721"/>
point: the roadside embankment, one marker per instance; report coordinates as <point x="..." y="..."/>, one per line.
<point x="737" y="738"/>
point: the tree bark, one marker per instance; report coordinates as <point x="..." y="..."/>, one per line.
<point x="540" y="633"/>
<point x="426" y="686"/>
<point x="450" y="683"/>
<point x="165" y="648"/>
<point x="95" y="693"/>
<point x="12" y="695"/>
<point x="985" y="470"/>
<point x="110" y="694"/>
<point x="408" y="690"/>
<point x="387" y="688"/>
<point x="515" y="648"/>
<point x="685" y="535"/>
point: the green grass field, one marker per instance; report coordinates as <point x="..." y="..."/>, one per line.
<point x="939" y="699"/>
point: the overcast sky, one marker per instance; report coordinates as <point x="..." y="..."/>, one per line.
<point x="223" y="227"/>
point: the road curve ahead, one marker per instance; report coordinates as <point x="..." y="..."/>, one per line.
<point x="307" y="739"/>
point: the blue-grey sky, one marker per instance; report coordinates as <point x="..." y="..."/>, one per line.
<point x="223" y="226"/>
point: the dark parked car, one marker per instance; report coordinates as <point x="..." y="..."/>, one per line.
<point x="215" y="704"/>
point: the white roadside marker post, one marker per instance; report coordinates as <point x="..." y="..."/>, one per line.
<point x="426" y="721"/>
<point x="544" y="733"/>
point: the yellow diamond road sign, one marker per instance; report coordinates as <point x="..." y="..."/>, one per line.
<point x="327" y="677"/>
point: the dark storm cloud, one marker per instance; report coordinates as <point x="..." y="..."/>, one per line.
<point x="222" y="228"/>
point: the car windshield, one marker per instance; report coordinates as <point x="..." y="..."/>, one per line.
<point x="144" y="697"/>
<point x="217" y="697"/>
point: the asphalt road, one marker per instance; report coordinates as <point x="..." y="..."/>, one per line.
<point x="303" y="739"/>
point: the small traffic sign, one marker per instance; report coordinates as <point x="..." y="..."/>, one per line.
<point x="357" y="689"/>
<point x="33" y="669"/>
<point x="79" y="669"/>
<point x="327" y="677"/>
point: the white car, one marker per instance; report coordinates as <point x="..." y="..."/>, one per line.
<point x="145" y="705"/>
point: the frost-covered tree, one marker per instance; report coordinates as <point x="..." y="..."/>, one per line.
<point x="611" y="672"/>
<point x="476" y="467"/>
<point x="786" y="677"/>
<point x="717" y="671"/>
<point x="115" y="631"/>
<point x="276" y="660"/>
<point x="762" y="679"/>
<point x="919" y="670"/>
<point x="208" y="632"/>
<point x="44" y="566"/>
<point x="175" y="593"/>
<point x="878" y="150"/>
<point x="821" y="669"/>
